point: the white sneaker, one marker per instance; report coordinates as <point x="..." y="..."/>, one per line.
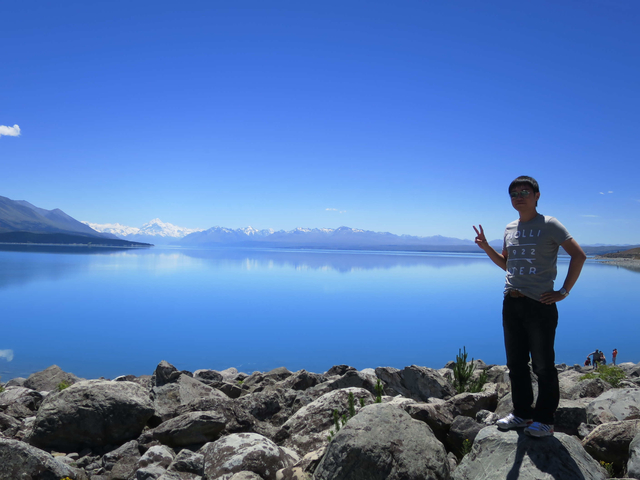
<point x="537" y="429"/>
<point x="511" y="421"/>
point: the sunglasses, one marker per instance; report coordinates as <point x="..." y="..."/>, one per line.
<point x="522" y="194"/>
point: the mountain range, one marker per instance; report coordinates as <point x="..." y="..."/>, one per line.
<point x="22" y="222"/>
<point x="159" y="233"/>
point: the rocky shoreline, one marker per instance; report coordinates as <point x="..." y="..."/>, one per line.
<point x="621" y="262"/>
<point x="280" y="425"/>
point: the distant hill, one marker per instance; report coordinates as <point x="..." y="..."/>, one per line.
<point x="633" y="253"/>
<point x="22" y="222"/>
<point x="21" y="216"/>
<point x="65" y="239"/>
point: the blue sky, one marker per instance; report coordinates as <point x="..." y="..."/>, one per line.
<point x="409" y="117"/>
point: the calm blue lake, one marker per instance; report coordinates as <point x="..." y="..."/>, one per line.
<point x="106" y="312"/>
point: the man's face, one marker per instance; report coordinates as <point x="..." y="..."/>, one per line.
<point x="521" y="201"/>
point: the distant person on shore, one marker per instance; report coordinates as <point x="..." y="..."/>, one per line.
<point x="614" y="355"/>
<point x="529" y="312"/>
<point x="598" y="358"/>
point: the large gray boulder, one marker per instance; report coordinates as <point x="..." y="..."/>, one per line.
<point x="244" y="452"/>
<point x="182" y="389"/>
<point x="568" y="381"/>
<point x="124" y="459"/>
<point x="302" y="380"/>
<point x="350" y="379"/>
<point x="274" y="406"/>
<point x="383" y="442"/>
<point x="236" y="418"/>
<point x="631" y="369"/>
<point x="392" y="381"/>
<point x="590" y="388"/>
<point x="308" y="428"/>
<point x="633" y="465"/>
<point x="303" y="469"/>
<point x="91" y="413"/>
<point x="23" y="396"/>
<point x="497" y="374"/>
<point x="9" y="426"/>
<point x="418" y="383"/>
<point x="614" y="405"/>
<point x="20" y="402"/>
<point x="570" y="415"/>
<point x="210" y="377"/>
<point x="463" y="428"/>
<point x="259" y="380"/>
<point x="438" y="416"/>
<point x="190" y="428"/>
<point x="158" y="455"/>
<point x="513" y="454"/>
<point x="165" y="373"/>
<point x="49" y="379"/>
<point x="610" y="442"/>
<point x="19" y="460"/>
<point x="424" y="383"/>
<point x="187" y="464"/>
<point x="469" y="404"/>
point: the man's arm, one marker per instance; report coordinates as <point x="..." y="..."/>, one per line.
<point x="578" y="258"/>
<point x="497" y="258"/>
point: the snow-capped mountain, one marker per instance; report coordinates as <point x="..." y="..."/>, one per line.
<point x="113" y="228"/>
<point x="156" y="231"/>
<point x="343" y="237"/>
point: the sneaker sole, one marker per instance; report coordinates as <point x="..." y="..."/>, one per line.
<point x="506" y="428"/>
<point x="538" y="434"/>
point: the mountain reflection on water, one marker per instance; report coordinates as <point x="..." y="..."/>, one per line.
<point x="342" y="261"/>
<point x="55" y="262"/>
<point x="52" y="265"/>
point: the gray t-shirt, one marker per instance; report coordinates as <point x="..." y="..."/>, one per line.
<point x="532" y="253"/>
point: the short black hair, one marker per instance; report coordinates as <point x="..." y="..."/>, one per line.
<point x="525" y="180"/>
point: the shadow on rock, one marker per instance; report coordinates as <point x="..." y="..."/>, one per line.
<point x="516" y="456"/>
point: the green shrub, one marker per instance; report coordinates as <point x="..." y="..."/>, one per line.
<point x="462" y="373"/>
<point x="612" y="374"/>
<point x="379" y="391"/>
<point x="338" y="421"/>
<point x="466" y="447"/>
<point x="62" y="385"/>
<point x="476" y="385"/>
<point x="1" y="387"/>
<point x="352" y="405"/>
<point x="608" y="467"/>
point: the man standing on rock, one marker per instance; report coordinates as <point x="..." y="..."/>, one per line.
<point x="529" y="312"/>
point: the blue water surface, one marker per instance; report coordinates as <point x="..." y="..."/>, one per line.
<point x="99" y="312"/>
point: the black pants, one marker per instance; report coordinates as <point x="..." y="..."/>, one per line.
<point x="530" y="329"/>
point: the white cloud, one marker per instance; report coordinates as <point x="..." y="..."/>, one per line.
<point x="590" y="216"/>
<point x="8" y="354"/>
<point x="10" y="132"/>
<point x="602" y="193"/>
<point x="331" y="209"/>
